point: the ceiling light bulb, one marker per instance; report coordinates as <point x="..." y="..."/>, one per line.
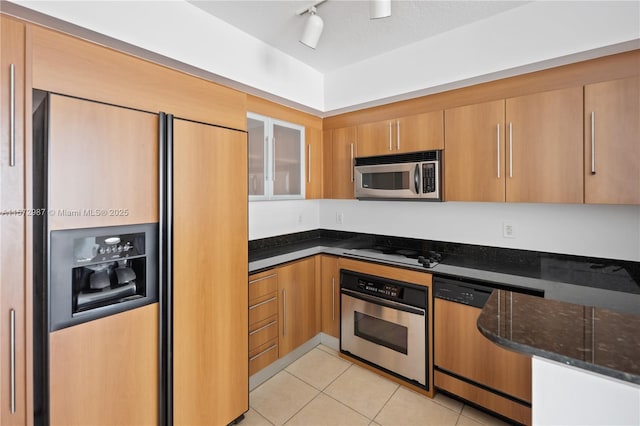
<point x="312" y="29"/>
<point x="379" y="9"/>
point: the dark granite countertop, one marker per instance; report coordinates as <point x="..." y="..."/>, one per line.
<point x="564" y="325"/>
<point x="595" y="339"/>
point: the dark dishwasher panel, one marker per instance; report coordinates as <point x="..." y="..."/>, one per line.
<point x="470" y="292"/>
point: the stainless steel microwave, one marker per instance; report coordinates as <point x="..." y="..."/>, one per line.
<point x="415" y="175"/>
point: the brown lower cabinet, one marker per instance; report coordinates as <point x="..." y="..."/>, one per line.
<point x="283" y="310"/>
<point x="298" y="315"/>
<point x="84" y="390"/>
<point x="330" y="295"/>
<point x="290" y="304"/>
<point x="495" y="375"/>
<point x="263" y="320"/>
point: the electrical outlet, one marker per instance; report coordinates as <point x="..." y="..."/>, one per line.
<point x="508" y="230"/>
<point x="339" y="218"/>
<point x="300" y="219"/>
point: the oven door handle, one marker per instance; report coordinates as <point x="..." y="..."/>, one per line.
<point x="383" y="302"/>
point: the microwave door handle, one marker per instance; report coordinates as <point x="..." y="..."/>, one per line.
<point x="416" y="178"/>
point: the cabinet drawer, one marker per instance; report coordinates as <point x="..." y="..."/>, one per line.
<point x="263" y="310"/>
<point x="260" y="286"/>
<point x="266" y="331"/>
<point x="263" y="356"/>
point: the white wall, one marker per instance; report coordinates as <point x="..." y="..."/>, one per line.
<point x="567" y="395"/>
<point x="270" y="218"/>
<point x="585" y="230"/>
<point x="536" y="33"/>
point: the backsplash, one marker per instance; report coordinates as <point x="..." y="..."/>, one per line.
<point x="603" y="231"/>
<point x="585" y="271"/>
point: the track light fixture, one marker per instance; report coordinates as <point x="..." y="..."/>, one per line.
<point x="379" y="9"/>
<point x="312" y="29"/>
<point x="314" y="25"/>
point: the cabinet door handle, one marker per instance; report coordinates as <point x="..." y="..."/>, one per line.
<point x="266" y="158"/>
<point x="309" y="164"/>
<point x="12" y="119"/>
<point x="593" y="142"/>
<point x="333" y="298"/>
<point x="351" y="164"/>
<point x="398" y="135"/>
<point x="390" y="135"/>
<point x="273" y="160"/>
<point x="13" y="360"/>
<point x="510" y="150"/>
<point x="284" y="312"/>
<point x="498" y="147"/>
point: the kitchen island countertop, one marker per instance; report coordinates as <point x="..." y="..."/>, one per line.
<point x="594" y="339"/>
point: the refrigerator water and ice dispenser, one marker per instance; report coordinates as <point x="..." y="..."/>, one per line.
<point x="100" y="271"/>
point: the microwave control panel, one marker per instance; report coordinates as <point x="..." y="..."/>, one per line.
<point x="428" y="178"/>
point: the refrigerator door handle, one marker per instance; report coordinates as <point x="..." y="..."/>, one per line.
<point x="165" y="271"/>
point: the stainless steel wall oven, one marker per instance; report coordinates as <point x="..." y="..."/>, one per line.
<point x="384" y="323"/>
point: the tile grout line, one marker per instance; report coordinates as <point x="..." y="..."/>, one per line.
<point x="261" y="415"/>
<point x="386" y="402"/>
<point x="308" y="402"/>
<point x="345" y="405"/>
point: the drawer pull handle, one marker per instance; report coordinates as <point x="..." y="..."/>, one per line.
<point x="262" y="328"/>
<point x="262" y="303"/>
<point x="262" y="279"/>
<point x="263" y="352"/>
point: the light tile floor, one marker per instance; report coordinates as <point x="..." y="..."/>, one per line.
<point x="321" y="389"/>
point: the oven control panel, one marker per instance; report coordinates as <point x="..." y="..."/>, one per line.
<point x="413" y="295"/>
<point x="380" y="288"/>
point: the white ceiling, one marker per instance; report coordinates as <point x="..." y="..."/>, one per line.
<point x="349" y="35"/>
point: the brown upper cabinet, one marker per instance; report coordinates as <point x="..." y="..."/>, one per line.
<point x="418" y="132"/>
<point x="313" y="163"/>
<point x="13" y="380"/>
<point x="522" y="149"/>
<point x="303" y="165"/>
<point x="86" y="142"/>
<point x="544" y="147"/>
<point x="474" y="169"/>
<point x="343" y="151"/>
<point x="75" y="67"/>
<point x="612" y="142"/>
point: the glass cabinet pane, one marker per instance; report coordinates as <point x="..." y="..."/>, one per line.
<point x="276" y="160"/>
<point x="288" y="160"/>
<point x="257" y="158"/>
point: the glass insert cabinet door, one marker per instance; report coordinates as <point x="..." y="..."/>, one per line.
<point x="276" y="158"/>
